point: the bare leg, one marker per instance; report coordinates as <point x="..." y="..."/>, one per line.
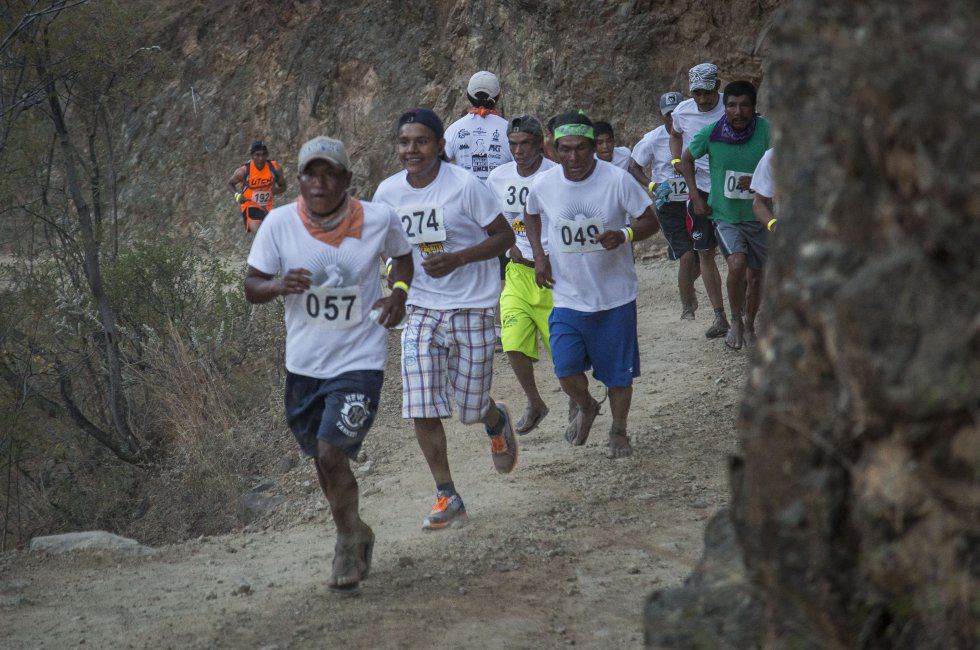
<point x="620" y="398"/>
<point x="736" y="299"/>
<point x="753" y="298"/>
<point x="352" y="554"/>
<point x="432" y="440"/>
<point x="712" y="284"/>
<point x="536" y="408"/>
<point x="577" y="388"/>
<point x="685" y="283"/>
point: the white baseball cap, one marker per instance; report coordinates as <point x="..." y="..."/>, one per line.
<point x="323" y="148"/>
<point x="483" y="82"/>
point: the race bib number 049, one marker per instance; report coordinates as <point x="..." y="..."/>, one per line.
<point x="678" y="189"/>
<point x="731" y="186"/>
<point x="422" y="223"/>
<point x="579" y="236"/>
<point x="332" y="308"/>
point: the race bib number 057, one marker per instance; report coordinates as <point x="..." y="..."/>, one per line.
<point x="332" y="308"/>
<point x="422" y="223"/>
<point x="731" y="186"/>
<point x="579" y="236"/>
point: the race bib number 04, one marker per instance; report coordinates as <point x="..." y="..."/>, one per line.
<point x="731" y="186"/>
<point x="678" y="189"/>
<point x="332" y="308"/>
<point x="422" y="223"/>
<point x="579" y="236"/>
<point x="515" y="196"/>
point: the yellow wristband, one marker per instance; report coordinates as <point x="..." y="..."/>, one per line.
<point x="400" y="285"/>
<point x="771" y="223"/>
<point x="238" y="197"/>
<point x="627" y="233"/>
<point x="652" y="187"/>
<point x="674" y="161"/>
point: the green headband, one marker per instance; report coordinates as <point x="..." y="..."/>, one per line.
<point x="583" y="130"/>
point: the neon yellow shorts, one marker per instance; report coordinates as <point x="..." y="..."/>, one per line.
<point x="524" y="311"/>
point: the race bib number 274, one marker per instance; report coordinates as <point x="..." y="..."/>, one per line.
<point x="422" y="223"/>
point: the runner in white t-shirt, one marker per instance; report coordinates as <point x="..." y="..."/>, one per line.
<point x="524" y="306"/>
<point x="670" y="192"/>
<point x="765" y="191"/>
<point x="585" y="206"/>
<point x="457" y="229"/>
<point x="605" y="146"/>
<point x="477" y="141"/>
<point x="690" y="116"/>
<point x="325" y="250"/>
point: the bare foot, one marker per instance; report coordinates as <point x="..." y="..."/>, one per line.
<point x="365" y="549"/>
<point x="347" y="569"/>
<point x="749" y="336"/>
<point x="735" y="339"/>
<point x="619" y="444"/>
<point x="532" y="417"/>
<point x="572" y="409"/>
<point x="578" y="429"/>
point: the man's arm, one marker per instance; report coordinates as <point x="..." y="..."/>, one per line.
<point x="261" y="287"/>
<point x="762" y="207"/>
<point x="392" y="307"/>
<point x="238" y="178"/>
<point x="542" y="265"/>
<point x="280" y="181"/>
<point x="644" y="226"/>
<point x="686" y="165"/>
<point x="676" y="143"/>
<point x="501" y="237"/>
<point x="641" y="177"/>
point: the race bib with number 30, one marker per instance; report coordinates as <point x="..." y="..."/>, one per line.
<point x="515" y="196"/>
<point x="422" y="223"/>
<point x="579" y="236"/>
<point x="332" y="308"/>
<point x="731" y="186"/>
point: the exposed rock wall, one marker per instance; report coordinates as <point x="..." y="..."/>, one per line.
<point x="285" y="71"/>
<point x="857" y="502"/>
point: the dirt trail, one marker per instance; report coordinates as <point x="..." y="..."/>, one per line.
<point x="561" y="552"/>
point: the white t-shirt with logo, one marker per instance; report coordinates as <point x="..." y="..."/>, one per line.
<point x="621" y="157"/>
<point x="328" y="331"/>
<point x="573" y="212"/>
<point x="762" y="182"/>
<point x="511" y="190"/>
<point x="446" y="216"/>
<point x="478" y="144"/>
<point x="688" y="120"/>
<point x="653" y="151"/>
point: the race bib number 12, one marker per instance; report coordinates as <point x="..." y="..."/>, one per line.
<point x="678" y="189"/>
<point x="731" y="186"/>
<point x="579" y="236"/>
<point x="422" y="223"/>
<point x="332" y="308"/>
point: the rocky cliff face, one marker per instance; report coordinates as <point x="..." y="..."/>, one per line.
<point x="856" y="500"/>
<point x="285" y="71"/>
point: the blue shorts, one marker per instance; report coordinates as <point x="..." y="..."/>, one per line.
<point x="604" y="341"/>
<point x="339" y="410"/>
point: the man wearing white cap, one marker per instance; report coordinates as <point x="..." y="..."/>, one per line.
<point x="478" y="141"/>
<point x="671" y="192"/>
<point x="705" y="107"/>
<point x="320" y="254"/>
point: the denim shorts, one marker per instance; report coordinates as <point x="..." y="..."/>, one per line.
<point x="604" y="341"/>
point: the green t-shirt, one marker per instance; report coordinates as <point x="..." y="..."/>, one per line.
<point x="728" y="162"/>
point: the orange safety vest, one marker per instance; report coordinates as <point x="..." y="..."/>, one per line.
<point x="258" y="185"/>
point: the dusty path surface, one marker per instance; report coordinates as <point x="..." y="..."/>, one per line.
<point x="561" y="552"/>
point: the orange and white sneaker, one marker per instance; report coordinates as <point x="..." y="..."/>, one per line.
<point x="503" y="446"/>
<point x="448" y="512"/>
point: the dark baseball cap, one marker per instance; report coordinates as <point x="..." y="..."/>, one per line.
<point x="525" y="124"/>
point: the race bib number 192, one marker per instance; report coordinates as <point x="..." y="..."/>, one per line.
<point x="422" y="223"/>
<point x="332" y="308"/>
<point x="579" y="236"/>
<point x="261" y="198"/>
<point x="731" y="186"/>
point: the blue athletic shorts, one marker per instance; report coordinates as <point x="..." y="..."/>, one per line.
<point x="604" y="341"/>
<point x="339" y="410"/>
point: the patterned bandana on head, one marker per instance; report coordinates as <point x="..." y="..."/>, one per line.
<point x="703" y="76"/>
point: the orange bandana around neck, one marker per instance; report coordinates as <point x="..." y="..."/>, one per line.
<point x="483" y="111"/>
<point x="350" y="225"/>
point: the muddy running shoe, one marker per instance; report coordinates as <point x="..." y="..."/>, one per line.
<point x="448" y="512"/>
<point x="718" y="328"/>
<point x="503" y="446"/>
<point x="687" y="313"/>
